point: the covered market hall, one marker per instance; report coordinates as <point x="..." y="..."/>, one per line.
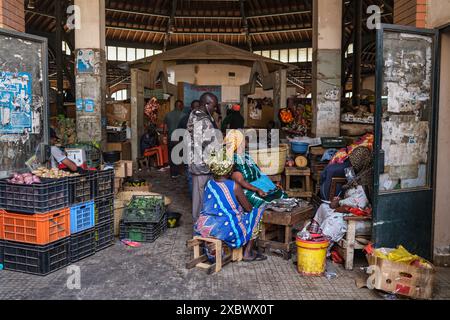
<point x="224" y="149"/>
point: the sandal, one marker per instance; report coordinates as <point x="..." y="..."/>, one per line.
<point x="256" y="257"/>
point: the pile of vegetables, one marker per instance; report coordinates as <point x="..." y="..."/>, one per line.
<point x="286" y="116"/>
<point x="25" y="178"/>
<point x="53" y="173"/>
<point x="145" y="208"/>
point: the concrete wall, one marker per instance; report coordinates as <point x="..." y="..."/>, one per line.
<point x="438" y="15"/>
<point x="91" y="17"/>
<point x="12" y="15"/>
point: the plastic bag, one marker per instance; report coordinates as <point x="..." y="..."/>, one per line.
<point x="355" y="198"/>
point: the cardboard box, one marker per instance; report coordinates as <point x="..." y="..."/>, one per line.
<point x="123" y="147"/>
<point x="120" y="169"/>
<point x="401" y="278"/>
<point x="117" y="113"/>
<point x="117" y="185"/>
<point x="123" y="169"/>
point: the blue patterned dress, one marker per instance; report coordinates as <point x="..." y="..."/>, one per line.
<point x="223" y="218"/>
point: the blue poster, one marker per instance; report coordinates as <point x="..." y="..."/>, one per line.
<point x="79" y="104"/>
<point x="89" y="105"/>
<point x="85" y="61"/>
<point x="193" y="92"/>
<point x="16" y="115"/>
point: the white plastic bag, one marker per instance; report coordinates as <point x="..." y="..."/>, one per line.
<point x="355" y="198"/>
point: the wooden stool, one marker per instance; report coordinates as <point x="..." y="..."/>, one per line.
<point x="306" y="190"/>
<point x="349" y="244"/>
<point x="201" y="261"/>
<point x="277" y="229"/>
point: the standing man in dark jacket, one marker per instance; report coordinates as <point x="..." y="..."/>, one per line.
<point x="202" y="134"/>
<point x="171" y="122"/>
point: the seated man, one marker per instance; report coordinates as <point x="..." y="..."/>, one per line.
<point x="227" y="215"/>
<point x="258" y="187"/>
<point x="149" y="139"/>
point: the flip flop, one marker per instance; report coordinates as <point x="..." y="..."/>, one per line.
<point x="257" y="257"/>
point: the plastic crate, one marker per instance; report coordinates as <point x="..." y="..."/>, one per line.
<point x="51" y="194"/>
<point x="35" y="259"/>
<point x="116" y="136"/>
<point x="82" y="245"/>
<point x="104" y="235"/>
<point x="104" y="184"/>
<point x="149" y="214"/>
<point x="142" y="232"/>
<point x="104" y="209"/>
<point x="82" y="217"/>
<point x="40" y="229"/>
<point x="81" y="187"/>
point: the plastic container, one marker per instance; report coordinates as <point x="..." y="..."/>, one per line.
<point x="81" y="187"/>
<point x="142" y="232"/>
<point x="104" y="235"/>
<point x="104" y="210"/>
<point x="338" y="142"/>
<point x="34" y="259"/>
<point x="51" y="194"/>
<point x="311" y="257"/>
<point x="299" y="147"/>
<point x="104" y="184"/>
<point x="82" y="245"/>
<point x="40" y="229"/>
<point x="149" y="214"/>
<point x="82" y="217"/>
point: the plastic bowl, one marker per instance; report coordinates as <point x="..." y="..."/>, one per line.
<point x="173" y="219"/>
<point x="299" y="147"/>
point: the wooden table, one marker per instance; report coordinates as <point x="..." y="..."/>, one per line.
<point x="277" y="229"/>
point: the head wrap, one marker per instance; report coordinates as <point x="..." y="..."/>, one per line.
<point x="219" y="164"/>
<point x="361" y="158"/>
<point x="233" y="140"/>
<point x="236" y="107"/>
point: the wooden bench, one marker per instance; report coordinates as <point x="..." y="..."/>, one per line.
<point x="201" y="261"/>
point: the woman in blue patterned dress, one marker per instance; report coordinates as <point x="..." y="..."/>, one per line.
<point x="227" y="215"/>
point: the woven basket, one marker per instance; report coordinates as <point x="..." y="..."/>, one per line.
<point x="271" y="161"/>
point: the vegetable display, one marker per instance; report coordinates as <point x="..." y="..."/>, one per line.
<point x="53" y="173"/>
<point x="25" y="178"/>
<point x="145" y="209"/>
<point x="286" y="116"/>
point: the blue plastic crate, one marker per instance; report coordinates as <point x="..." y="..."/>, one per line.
<point x="82" y="217"/>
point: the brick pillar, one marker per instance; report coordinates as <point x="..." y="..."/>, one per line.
<point x="410" y="13"/>
<point x="12" y="15"/>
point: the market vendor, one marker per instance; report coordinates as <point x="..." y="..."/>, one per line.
<point x="58" y="156"/>
<point x="356" y="199"/>
<point x="226" y="214"/>
<point x="258" y="187"/>
<point x="341" y="161"/>
<point x="234" y="119"/>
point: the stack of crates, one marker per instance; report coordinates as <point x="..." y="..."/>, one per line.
<point x="47" y="226"/>
<point x="144" y="223"/>
<point x="35" y="226"/>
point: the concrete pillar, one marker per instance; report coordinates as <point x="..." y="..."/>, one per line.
<point x="91" y="71"/>
<point x="327" y="34"/>
<point x="280" y="93"/>
<point x="12" y="15"/>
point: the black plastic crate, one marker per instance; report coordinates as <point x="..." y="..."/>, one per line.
<point x="116" y="136"/>
<point x="104" y="209"/>
<point x="33" y="259"/>
<point x="81" y="187"/>
<point x="104" y="183"/>
<point x="82" y="245"/>
<point x="152" y="213"/>
<point x="49" y="195"/>
<point x="142" y="232"/>
<point x="104" y="235"/>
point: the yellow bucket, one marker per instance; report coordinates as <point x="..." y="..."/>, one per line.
<point x="311" y="257"/>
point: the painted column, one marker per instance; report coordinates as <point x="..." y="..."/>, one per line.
<point x="12" y="15"/>
<point x="327" y="34"/>
<point x="90" y="71"/>
<point x="279" y="94"/>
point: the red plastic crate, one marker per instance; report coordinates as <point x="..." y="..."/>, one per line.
<point x="38" y="229"/>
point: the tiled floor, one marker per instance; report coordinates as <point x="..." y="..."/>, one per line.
<point x="157" y="271"/>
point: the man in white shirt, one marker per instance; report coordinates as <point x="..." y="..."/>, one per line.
<point x="58" y="156"/>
